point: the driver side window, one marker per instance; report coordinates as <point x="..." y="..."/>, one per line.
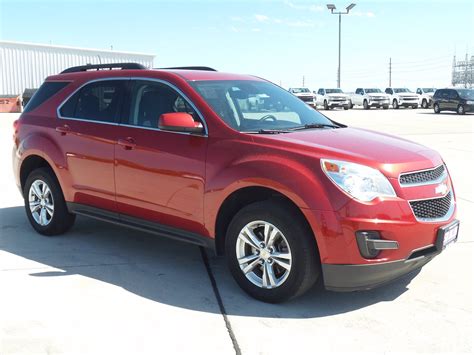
<point x="151" y="99"/>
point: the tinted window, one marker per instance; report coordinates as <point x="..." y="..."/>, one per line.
<point x="152" y="99"/>
<point x="452" y="94"/>
<point x="99" y="101"/>
<point x="46" y="91"/>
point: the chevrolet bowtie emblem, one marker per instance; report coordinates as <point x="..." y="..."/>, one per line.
<point x="441" y="189"/>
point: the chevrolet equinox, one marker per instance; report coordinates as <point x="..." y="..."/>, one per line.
<point x="237" y="164"/>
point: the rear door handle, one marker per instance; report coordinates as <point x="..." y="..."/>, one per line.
<point x="127" y="143"/>
<point x="63" y="129"/>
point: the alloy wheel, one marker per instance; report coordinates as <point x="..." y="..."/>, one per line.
<point x="41" y="202"/>
<point x="263" y="254"/>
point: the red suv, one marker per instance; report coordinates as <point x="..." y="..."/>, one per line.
<point x="237" y="164"/>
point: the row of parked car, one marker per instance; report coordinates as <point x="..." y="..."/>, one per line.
<point x="451" y="99"/>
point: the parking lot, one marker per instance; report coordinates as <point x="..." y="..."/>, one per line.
<point x="106" y="290"/>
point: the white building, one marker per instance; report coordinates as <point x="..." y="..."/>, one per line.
<point x="26" y="65"/>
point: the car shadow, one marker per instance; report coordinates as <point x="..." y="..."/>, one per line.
<point x="159" y="269"/>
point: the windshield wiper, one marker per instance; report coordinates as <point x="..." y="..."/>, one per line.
<point x="269" y="131"/>
<point x="314" y="125"/>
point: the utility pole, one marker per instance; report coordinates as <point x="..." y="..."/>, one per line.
<point x="332" y="7"/>
<point x="390" y="73"/>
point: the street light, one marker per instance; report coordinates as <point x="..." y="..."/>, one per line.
<point x="332" y="8"/>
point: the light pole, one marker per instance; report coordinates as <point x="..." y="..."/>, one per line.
<point x="332" y="7"/>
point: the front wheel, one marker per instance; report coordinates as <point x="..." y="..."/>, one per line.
<point x="395" y="104"/>
<point x="366" y="105"/>
<point x="271" y="252"/>
<point x="45" y="205"/>
<point x="414" y="106"/>
<point x="424" y="104"/>
<point x="436" y="108"/>
<point x="385" y="107"/>
<point x="326" y="106"/>
<point x="460" y="110"/>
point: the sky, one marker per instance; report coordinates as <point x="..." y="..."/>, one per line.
<point x="283" y="41"/>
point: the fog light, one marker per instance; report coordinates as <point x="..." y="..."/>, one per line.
<point x="370" y="244"/>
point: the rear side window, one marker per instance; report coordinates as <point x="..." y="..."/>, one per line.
<point x="45" y="92"/>
<point x="99" y="101"/>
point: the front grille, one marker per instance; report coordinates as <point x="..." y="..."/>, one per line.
<point x="435" y="208"/>
<point x="422" y="177"/>
<point x="306" y="98"/>
<point x="409" y="98"/>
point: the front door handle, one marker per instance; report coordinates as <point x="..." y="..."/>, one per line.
<point x="127" y="143"/>
<point x="65" y="129"/>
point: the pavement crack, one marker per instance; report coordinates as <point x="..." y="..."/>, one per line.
<point x="217" y="294"/>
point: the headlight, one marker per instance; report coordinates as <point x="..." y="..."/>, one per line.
<point x="359" y="181"/>
<point x="470" y="102"/>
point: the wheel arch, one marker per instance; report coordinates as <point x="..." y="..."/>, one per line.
<point x="245" y="196"/>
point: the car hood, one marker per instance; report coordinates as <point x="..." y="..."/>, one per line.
<point x="406" y="94"/>
<point x="390" y="154"/>
<point x="304" y="94"/>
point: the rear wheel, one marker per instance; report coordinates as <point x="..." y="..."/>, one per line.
<point x="395" y="104"/>
<point x="366" y="105"/>
<point x="271" y="253"/>
<point x="45" y="205"/>
<point x="436" y="108"/>
<point x="460" y="110"/>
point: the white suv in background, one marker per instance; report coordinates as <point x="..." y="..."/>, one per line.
<point x="402" y="97"/>
<point x="370" y="97"/>
<point x="331" y="98"/>
<point x="426" y="96"/>
<point x="305" y="95"/>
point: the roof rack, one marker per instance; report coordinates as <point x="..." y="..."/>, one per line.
<point x="109" y="66"/>
<point x="191" y="68"/>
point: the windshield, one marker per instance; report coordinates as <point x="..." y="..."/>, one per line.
<point x="467" y="94"/>
<point x="251" y="106"/>
<point x="372" y="91"/>
<point x="426" y="90"/>
<point x="401" y="90"/>
<point x="334" y="91"/>
<point x="299" y="90"/>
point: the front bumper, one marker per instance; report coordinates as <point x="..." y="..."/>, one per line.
<point x="333" y="104"/>
<point x="339" y="277"/>
<point x="379" y="103"/>
<point x="408" y="103"/>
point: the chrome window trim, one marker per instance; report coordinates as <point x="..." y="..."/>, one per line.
<point x="441" y="178"/>
<point x="445" y="218"/>
<point x="205" y="134"/>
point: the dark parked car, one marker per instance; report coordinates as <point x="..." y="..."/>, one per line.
<point x="458" y="100"/>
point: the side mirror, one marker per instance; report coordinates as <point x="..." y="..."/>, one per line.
<point x="179" y="122"/>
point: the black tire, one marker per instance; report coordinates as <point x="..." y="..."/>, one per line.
<point x="414" y="106"/>
<point x="61" y="220"/>
<point x="395" y="104"/>
<point x="385" y="107"/>
<point x="305" y="262"/>
<point x="424" y="104"/>
<point x="351" y="105"/>
<point x="346" y="107"/>
<point x="460" y="110"/>
<point x="326" y="106"/>
<point x="436" y="108"/>
<point x="366" y="105"/>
